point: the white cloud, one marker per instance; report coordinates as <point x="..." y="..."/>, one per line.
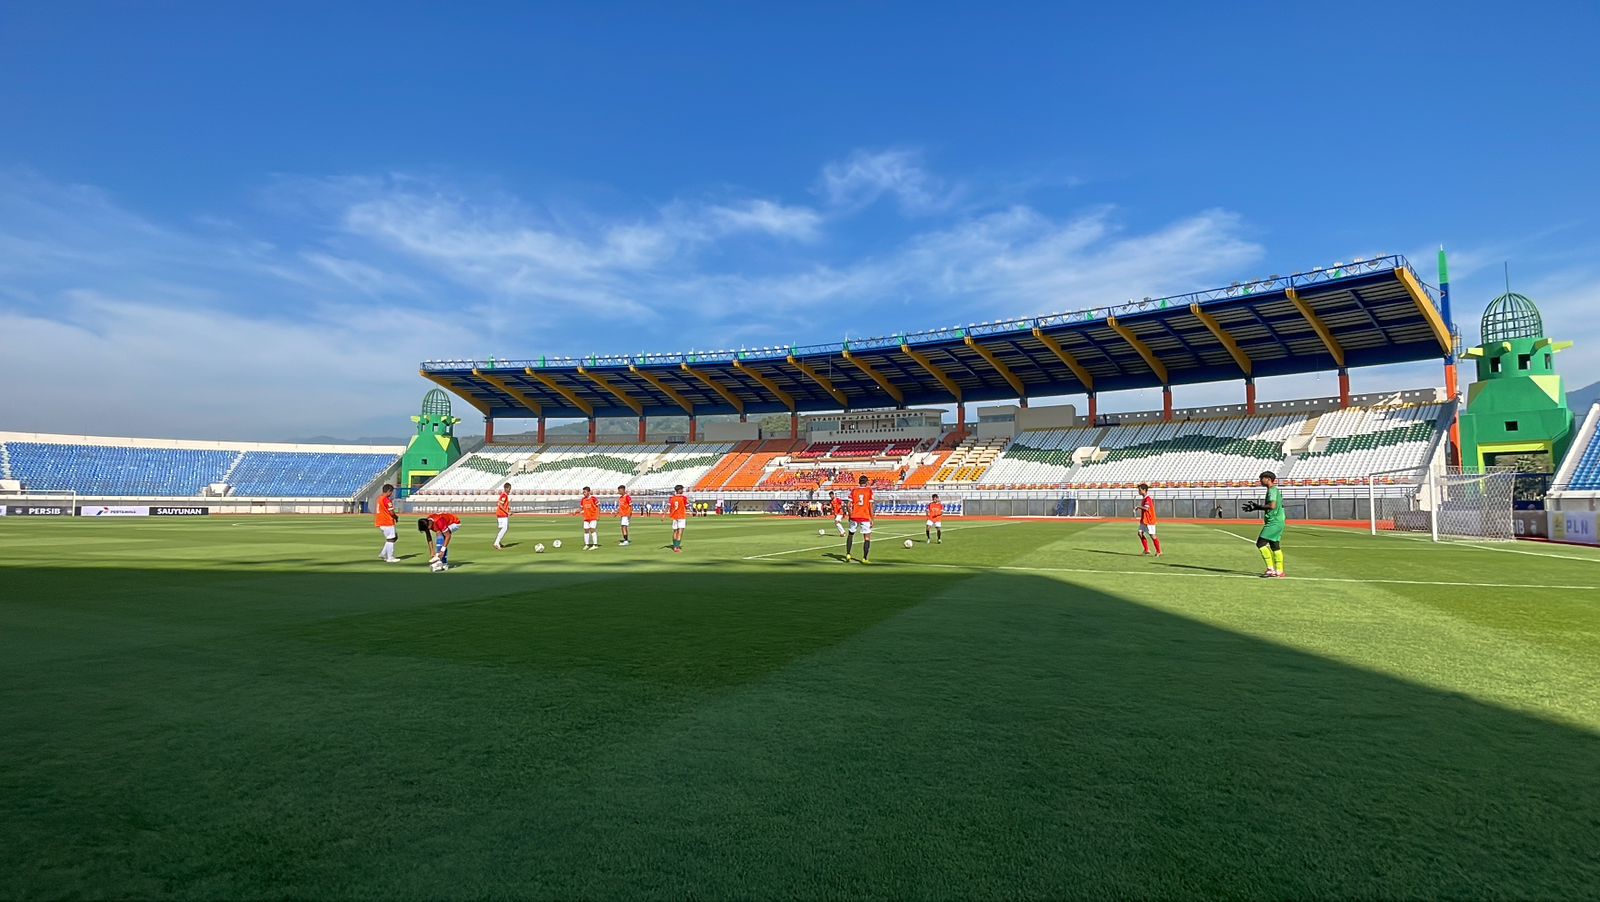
<point x="865" y="176"/>
<point x="210" y="329"/>
<point x="766" y="217"/>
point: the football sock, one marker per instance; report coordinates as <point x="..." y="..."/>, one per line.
<point x="866" y="548"/>
<point x="388" y="550"/>
<point x="1266" y="555"/>
<point x="1278" y="557"/>
<point x="849" y="543"/>
<point x="1145" y="542"/>
<point x="1157" y="542"/>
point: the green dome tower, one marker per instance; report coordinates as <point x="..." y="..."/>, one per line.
<point x="435" y="445"/>
<point x="1517" y="412"/>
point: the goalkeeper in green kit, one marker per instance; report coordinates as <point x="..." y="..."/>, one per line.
<point x="1270" y="542"/>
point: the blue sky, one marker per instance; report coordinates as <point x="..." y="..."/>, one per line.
<point x="252" y="222"/>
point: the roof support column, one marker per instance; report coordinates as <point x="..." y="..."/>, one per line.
<point x="693" y="422"/>
<point x="642" y="430"/>
<point x="1094" y="408"/>
<point x="1166" y="403"/>
<point x="541" y="430"/>
<point x="592" y="422"/>
<point x="1250" y="395"/>
<point x="794" y="427"/>
<point x="488" y="430"/>
<point x="1344" y="387"/>
<point x="961" y="418"/>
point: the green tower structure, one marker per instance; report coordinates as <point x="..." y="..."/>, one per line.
<point x="435" y="446"/>
<point x="1517" y="412"/>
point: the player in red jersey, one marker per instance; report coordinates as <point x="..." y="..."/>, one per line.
<point x="678" y="513"/>
<point x="837" y="504"/>
<point x="624" y="512"/>
<point x="385" y="521"/>
<point x="935" y="520"/>
<point x="438" y="530"/>
<point x="1147" y="520"/>
<point x="589" y="510"/>
<point x="860" y="520"/>
<point x="502" y="515"/>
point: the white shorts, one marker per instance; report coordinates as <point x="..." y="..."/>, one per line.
<point x="863" y="526"/>
<point x="936" y="524"/>
<point x="623" y="521"/>
<point x="388" y="532"/>
<point x="679" y="524"/>
<point x="502" y="522"/>
<point x="1147" y="529"/>
<point x="591" y="524"/>
<point x="839" y="519"/>
<point x="452" y="527"/>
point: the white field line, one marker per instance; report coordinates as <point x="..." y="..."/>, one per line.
<point x="1476" y="546"/>
<point x="1304" y="579"/>
<point x="836" y="544"/>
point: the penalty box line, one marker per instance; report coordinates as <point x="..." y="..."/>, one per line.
<point x="906" y="535"/>
<point x="1304" y="579"/>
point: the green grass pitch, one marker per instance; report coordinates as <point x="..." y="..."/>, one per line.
<point x="259" y="708"/>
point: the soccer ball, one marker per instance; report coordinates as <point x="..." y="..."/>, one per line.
<point x="910" y="544"/>
<point x="438" y="567"/>
<point x="539" y="548"/>
<point x="556" y="544"/>
<point x="822" y="532"/>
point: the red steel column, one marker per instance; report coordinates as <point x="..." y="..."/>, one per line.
<point x="691" y="427"/>
<point x="1344" y="387"/>
<point x="592" y="423"/>
<point x="1094" y="408"/>
<point x="488" y="430"/>
<point x="541" y="430"/>
<point x="794" y="426"/>
<point x="1166" y="403"/>
<point x="1250" y="397"/>
<point x="641" y="430"/>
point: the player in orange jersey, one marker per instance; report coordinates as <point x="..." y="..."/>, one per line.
<point x="678" y="513"/>
<point x="502" y="515"/>
<point x="837" y="504"/>
<point x="385" y="521"/>
<point x="438" y="530"/>
<point x="589" y="509"/>
<point x="860" y="520"/>
<point x="935" y="520"/>
<point x="624" y="512"/>
<point x="1147" y="520"/>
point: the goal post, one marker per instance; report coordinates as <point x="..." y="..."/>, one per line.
<point x="40" y="504"/>
<point x="1448" y="503"/>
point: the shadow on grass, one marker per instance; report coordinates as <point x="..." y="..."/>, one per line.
<point x="788" y="730"/>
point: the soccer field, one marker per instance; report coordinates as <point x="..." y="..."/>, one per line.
<point x="259" y="707"/>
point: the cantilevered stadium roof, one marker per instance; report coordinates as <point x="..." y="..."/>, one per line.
<point x="1350" y="315"/>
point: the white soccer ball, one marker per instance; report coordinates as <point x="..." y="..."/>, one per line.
<point x="436" y="566"/>
<point x="910" y="544"/>
<point x="822" y="532"/>
<point x="556" y="544"/>
<point x="539" y="548"/>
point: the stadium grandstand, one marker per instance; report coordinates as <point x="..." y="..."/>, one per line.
<point x="880" y="408"/>
<point x="240" y="477"/>
<point x="864" y="407"/>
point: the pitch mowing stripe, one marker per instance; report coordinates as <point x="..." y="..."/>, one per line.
<point x="835" y="544"/>
<point x="1304" y="579"/>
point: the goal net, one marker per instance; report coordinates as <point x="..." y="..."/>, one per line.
<point x="1448" y="503"/>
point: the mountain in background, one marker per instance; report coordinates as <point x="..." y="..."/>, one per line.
<point x="1580" y="399"/>
<point x="334" y="440"/>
